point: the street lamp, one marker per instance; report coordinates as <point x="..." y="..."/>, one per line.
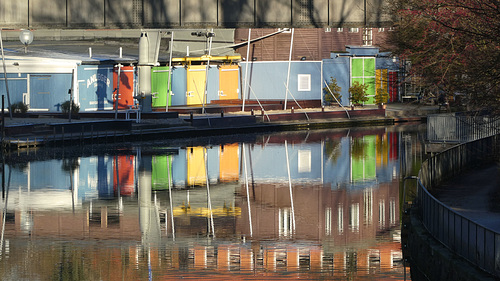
<point x="26" y="38"/>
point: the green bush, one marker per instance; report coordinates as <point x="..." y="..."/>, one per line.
<point x="332" y="88"/>
<point x="19" y="107"/>
<point x="358" y="93"/>
<point x="65" y="107"/>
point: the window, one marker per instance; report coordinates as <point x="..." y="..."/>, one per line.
<point x="328" y="29"/>
<point x="304" y="161"/>
<point x="353" y="30"/>
<point x="304" y="82"/>
<point x="381" y="29"/>
<point x="367" y="37"/>
<point x="340" y="29"/>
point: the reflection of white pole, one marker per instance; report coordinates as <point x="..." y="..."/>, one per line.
<point x="169" y="91"/>
<point x="290" y="186"/>
<point x="170" y="195"/>
<point x="289" y="65"/>
<point x="208" y="195"/>
<point x="248" y="193"/>
<point x="245" y="93"/>
<point x="4" y="214"/>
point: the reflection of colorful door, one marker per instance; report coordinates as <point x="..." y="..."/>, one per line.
<point x="125" y="97"/>
<point x="363" y="163"/>
<point x="196" y="174"/>
<point x="123" y="176"/>
<point x="363" y="71"/>
<point x="228" y="82"/>
<point x="228" y="165"/>
<point x="196" y="84"/>
<point x="160" y="86"/>
<point x="160" y="172"/>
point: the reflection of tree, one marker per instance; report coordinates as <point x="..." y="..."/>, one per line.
<point x="332" y="150"/>
<point x="358" y="148"/>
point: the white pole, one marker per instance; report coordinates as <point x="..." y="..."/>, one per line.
<point x="5" y="75"/>
<point x="118" y="90"/>
<point x="289" y="64"/>
<point x="206" y="70"/>
<point x="169" y="92"/>
<point x="209" y="200"/>
<point x="245" y="93"/>
<point x="170" y="195"/>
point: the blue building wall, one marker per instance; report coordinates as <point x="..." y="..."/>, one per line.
<point x="18" y="85"/>
<point x="95" y="85"/>
<point x="267" y="80"/>
<point x="49" y="91"/>
<point x="338" y="68"/>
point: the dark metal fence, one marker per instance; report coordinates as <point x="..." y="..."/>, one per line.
<point x="472" y="241"/>
<point x="454" y="127"/>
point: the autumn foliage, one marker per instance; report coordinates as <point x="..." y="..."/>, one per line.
<point x="453" y="46"/>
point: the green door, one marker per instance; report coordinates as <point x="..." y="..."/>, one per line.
<point x="160" y="86"/>
<point x="363" y="71"/>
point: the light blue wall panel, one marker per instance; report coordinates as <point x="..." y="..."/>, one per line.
<point x="179" y="86"/>
<point x="49" y="91"/>
<point x="95" y="86"/>
<point x="268" y="80"/>
<point x="338" y="68"/>
<point x="18" y="84"/>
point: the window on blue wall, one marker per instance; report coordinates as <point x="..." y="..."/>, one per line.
<point x="304" y="82"/>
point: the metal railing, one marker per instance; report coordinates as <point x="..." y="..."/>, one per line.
<point x="474" y="242"/>
<point x="455" y="127"/>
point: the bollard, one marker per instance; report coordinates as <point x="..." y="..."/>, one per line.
<point x="352" y="107"/>
<point x="222" y="113"/>
<point x="323" y="108"/>
<point x="251" y="112"/>
<point x="262" y="112"/>
<point x="293" y="110"/>
<point x="191" y="117"/>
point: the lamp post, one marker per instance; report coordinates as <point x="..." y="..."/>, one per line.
<point x="26" y="38"/>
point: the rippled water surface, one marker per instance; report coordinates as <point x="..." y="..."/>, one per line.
<point x="302" y="205"/>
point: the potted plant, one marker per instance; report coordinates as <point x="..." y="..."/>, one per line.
<point x="332" y="92"/>
<point x="358" y="93"/>
<point x="381" y="97"/>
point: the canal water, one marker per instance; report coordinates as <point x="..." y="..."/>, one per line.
<point x="319" y="204"/>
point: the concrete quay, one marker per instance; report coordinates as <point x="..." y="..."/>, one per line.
<point x="38" y="129"/>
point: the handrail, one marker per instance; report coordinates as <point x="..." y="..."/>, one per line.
<point x="470" y="240"/>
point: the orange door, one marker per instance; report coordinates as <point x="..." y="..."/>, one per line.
<point x="228" y="82"/>
<point x="126" y="90"/>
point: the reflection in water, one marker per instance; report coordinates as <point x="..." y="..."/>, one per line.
<point x="315" y="204"/>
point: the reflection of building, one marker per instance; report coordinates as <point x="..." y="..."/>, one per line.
<point x="345" y="222"/>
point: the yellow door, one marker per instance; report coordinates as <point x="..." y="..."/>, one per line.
<point x="196" y="166"/>
<point x="228" y="82"/>
<point x="196" y="84"/>
<point x="228" y="165"/>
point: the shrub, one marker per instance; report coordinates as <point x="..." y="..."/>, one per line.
<point x="381" y="96"/>
<point x="19" y="107"/>
<point x="332" y="88"/>
<point x="358" y="93"/>
<point x="65" y="107"/>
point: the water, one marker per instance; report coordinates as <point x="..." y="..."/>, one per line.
<point x="298" y="205"/>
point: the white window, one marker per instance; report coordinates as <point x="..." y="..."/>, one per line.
<point x="328" y="29"/>
<point x="304" y="82"/>
<point x="354" y="217"/>
<point x="340" y="29"/>
<point x="353" y="30"/>
<point x="367" y="37"/>
<point x="328" y="221"/>
<point x="381" y="29"/>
